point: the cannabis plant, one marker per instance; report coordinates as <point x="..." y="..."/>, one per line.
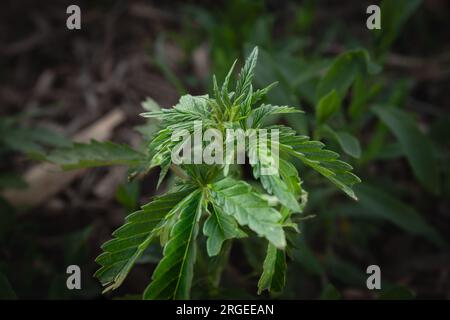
<point x="211" y="198"/>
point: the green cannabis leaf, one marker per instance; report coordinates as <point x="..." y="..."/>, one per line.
<point x="313" y="154"/>
<point x="237" y="199"/>
<point x="273" y="277"/>
<point x="212" y="197"/>
<point x="131" y="240"/>
<point x="172" y="278"/>
<point x="220" y="227"/>
<point x="96" y="154"/>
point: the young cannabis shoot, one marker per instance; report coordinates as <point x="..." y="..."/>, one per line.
<point x="213" y="198"/>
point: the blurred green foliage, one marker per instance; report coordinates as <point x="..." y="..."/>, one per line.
<point x="351" y="102"/>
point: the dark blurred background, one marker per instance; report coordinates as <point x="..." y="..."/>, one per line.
<point x="58" y="84"/>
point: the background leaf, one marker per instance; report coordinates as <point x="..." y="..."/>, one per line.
<point x="349" y="143"/>
<point x="393" y="16"/>
<point x="377" y="203"/>
<point x="397" y="293"/>
<point x="343" y="71"/>
<point x="95" y="154"/>
<point x="327" y="106"/>
<point x="417" y="148"/>
<point x="6" y="291"/>
<point x="330" y="293"/>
